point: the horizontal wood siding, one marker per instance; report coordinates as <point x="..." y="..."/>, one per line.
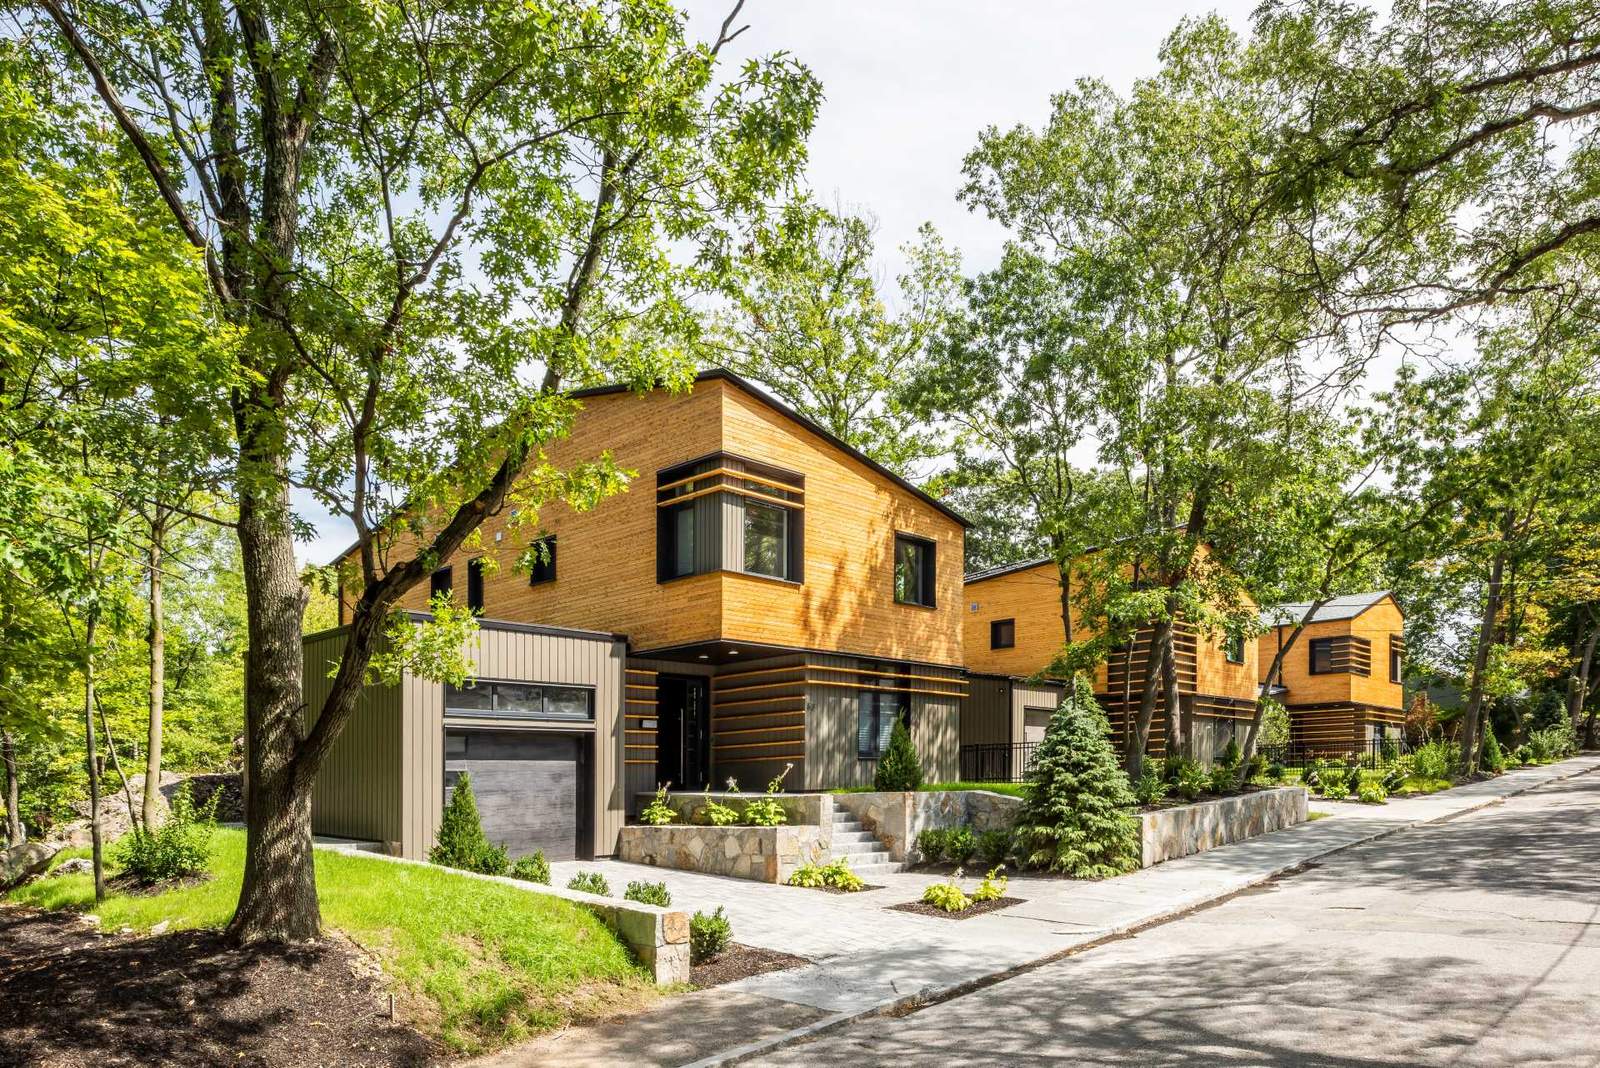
<point x="522" y="657"/>
<point x="1375" y="627"/>
<point x="759" y="722"/>
<point x="832" y="712"/>
<point x="1031" y="597"/>
<point x="358" y="790"/>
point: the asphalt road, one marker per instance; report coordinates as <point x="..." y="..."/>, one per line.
<point x="1471" y="942"/>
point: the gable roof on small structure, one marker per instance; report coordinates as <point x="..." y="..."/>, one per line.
<point x="1347" y="606"/>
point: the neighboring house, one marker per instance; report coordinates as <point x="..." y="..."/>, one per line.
<point x="1342" y="677"/>
<point x="1012" y="628"/>
<point x="775" y="598"/>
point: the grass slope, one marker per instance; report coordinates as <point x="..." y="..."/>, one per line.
<point x="477" y="964"/>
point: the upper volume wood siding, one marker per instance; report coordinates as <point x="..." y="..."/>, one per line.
<point x="1032" y="597"/>
<point x="606" y="559"/>
<point x="1377" y="625"/>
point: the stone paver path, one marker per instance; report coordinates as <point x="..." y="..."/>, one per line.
<point x="866" y="955"/>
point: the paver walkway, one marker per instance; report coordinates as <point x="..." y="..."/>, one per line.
<point x="867" y="956"/>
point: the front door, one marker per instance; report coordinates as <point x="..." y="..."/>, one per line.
<point x="683" y="733"/>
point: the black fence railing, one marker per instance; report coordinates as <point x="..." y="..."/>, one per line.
<point x="997" y="761"/>
<point x="1373" y="754"/>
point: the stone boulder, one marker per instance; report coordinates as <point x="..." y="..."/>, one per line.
<point x="25" y="861"/>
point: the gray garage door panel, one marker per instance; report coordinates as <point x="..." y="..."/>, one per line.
<point x="528" y="787"/>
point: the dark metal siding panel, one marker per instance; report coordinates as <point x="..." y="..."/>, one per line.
<point x="986" y="712"/>
<point x="358" y="790"/>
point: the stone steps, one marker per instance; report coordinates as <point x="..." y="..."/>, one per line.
<point x="860" y="847"/>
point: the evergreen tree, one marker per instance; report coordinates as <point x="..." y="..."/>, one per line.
<point x="1077" y="817"/>
<point x="899" y="768"/>
<point x="461" y="842"/>
<point x="1494" y="758"/>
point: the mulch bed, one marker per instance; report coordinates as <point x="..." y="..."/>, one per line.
<point x="977" y="908"/>
<point x="74" y="996"/>
<point x="740" y="961"/>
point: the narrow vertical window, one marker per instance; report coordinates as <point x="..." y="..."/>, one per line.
<point x="913" y="570"/>
<point x="475" y="585"/>
<point x="542" y="560"/>
<point x="683" y="540"/>
<point x="440" y="583"/>
<point x="1321" y="656"/>
<point x="1233" y="648"/>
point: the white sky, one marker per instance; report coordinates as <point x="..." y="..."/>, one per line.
<point x="909" y="84"/>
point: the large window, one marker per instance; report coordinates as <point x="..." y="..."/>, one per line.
<point x="913" y="570"/>
<point x="1321" y="656"/>
<point x="1002" y="633"/>
<point x="542" y="560"/>
<point x="766" y="539"/>
<point x="519" y="700"/>
<point x="877" y="713"/>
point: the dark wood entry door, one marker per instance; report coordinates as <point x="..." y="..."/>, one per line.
<point x="683" y="731"/>
<point x="531" y="787"/>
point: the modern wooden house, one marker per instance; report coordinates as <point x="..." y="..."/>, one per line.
<point x="779" y="599"/>
<point x="1012" y="627"/>
<point x="1342" y="677"/>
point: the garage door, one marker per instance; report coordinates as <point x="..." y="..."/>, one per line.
<point x="530" y="787"/>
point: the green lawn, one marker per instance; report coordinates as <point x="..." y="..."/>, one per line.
<point x="1010" y="789"/>
<point x="477" y="964"/>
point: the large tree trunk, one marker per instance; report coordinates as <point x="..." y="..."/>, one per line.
<point x="91" y="758"/>
<point x="1580" y="680"/>
<point x="1274" y="676"/>
<point x="158" y="676"/>
<point x="1064" y="578"/>
<point x="278" y="900"/>
<point x="1480" y="665"/>
<point x="1178" y="725"/>
<point x="15" y="835"/>
<point x="1139" y="735"/>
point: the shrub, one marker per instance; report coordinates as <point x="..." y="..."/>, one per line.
<point x="1372" y="792"/>
<point x="1171" y="767"/>
<point x="648" y="893"/>
<point x="1524" y="754"/>
<point x="1494" y="758"/>
<point x="836" y="874"/>
<point x="590" y="882"/>
<point x="898" y="767"/>
<point x="1075" y="818"/>
<point x="1311" y="774"/>
<point x="1151" y="789"/>
<point x="534" y="869"/>
<point x="959" y="845"/>
<point x="1387" y="750"/>
<point x="1436" y="760"/>
<point x="658" y="813"/>
<point x="946" y="897"/>
<point x="179" y="847"/>
<point x="461" y="842"/>
<point x="1553" y="743"/>
<point x="1192" y="781"/>
<point x="765" y="811"/>
<point x="1255" y="767"/>
<point x="717" y="814"/>
<point x="1395" y="777"/>
<point x="930" y="844"/>
<point x="991" y="889"/>
<point x="1224" y="779"/>
<point x="994" y="846"/>
<point x="708" y="936"/>
<point x="1231" y="755"/>
<point x="1331" y="783"/>
<point x="1276" y="772"/>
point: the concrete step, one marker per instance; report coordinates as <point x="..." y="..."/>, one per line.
<point x="858" y="849"/>
<point x="875" y="869"/>
<point x="854" y="836"/>
<point x="852" y="823"/>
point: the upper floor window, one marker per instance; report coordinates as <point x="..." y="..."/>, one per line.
<point x="1321" y="656"/>
<point x="542" y="560"/>
<point x="1343" y="654"/>
<point x="1397" y="657"/>
<point x="766" y="539"/>
<point x="726" y="513"/>
<point x="1002" y="633"/>
<point x="475" y="585"/>
<point x="440" y="582"/>
<point x="1233" y="648"/>
<point x="913" y="570"/>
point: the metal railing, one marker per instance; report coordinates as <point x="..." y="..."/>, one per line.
<point x="1372" y="754"/>
<point x="997" y="761"/>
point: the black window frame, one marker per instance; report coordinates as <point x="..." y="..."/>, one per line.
<point x="441" y="581"/>
<point x="875" y="700"/>
<point x="1326" y="647"/>
<point x="475" y="585"/>
<point x="1233" y="648"/>
<point x="542" y="560"/>
<point x="929" y="568"/>
<point x="543" y="715"/>
<point x="1007" y="627"/>
<point x="791" y="521"/>
<point x="717" y="478"/>
<point x="1396" y="662"/>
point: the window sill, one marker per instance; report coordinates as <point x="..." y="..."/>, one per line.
<point x="917" y="604"/>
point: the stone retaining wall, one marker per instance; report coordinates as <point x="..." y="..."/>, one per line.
<point x="764" y="854"/>
<point x="814" y="809"/>
<point x="1170" y="833"/>
<point x="896" y="818"/>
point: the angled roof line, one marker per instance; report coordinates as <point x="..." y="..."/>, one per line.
<point x="1345" y="606"/>
<point x="725" y="375"/>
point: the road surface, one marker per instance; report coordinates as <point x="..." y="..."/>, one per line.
<point x="1471" y="942"/>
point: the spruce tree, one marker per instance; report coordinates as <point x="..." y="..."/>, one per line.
<point x="461" y="842"/>
<point x="1077" y="818"/>
<point x="898" y="768"/>
<point x="1494" y="758"/>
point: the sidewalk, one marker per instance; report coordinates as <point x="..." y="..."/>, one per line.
<point x="867" y="958"/>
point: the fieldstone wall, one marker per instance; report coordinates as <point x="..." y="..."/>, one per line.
<point x="896" y="818"/>
<point x="1177" y="832"/>
<point x="814" y="809"/>
<point x="764" y="854"/>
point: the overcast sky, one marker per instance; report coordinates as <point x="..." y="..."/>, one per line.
<point x="908" y="84"/>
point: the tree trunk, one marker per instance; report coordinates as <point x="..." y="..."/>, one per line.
<point x="1139" y="735"/>
<point x="15" y="834"/>
<point x="1178" y="725"/>
<point x="1275" y="675"/>
<point x="158" y="676"/>
<point x="1580" y="689"/>
<point x="1480" y="665"/>
<point x="1064" y="577"/>
<point x="91" y="757"/>
<point x="278" y="899"/>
